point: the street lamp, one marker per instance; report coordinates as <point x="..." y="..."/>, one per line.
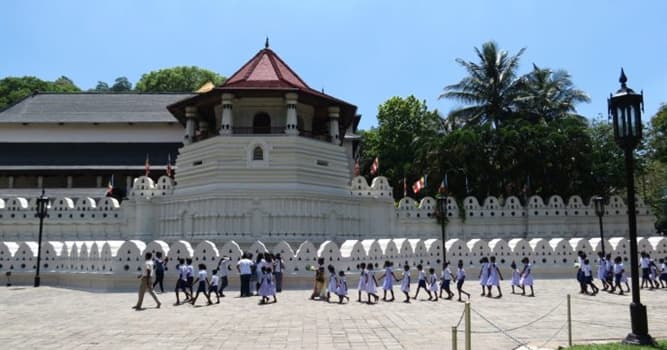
<point x="625" y="108"/>
<point x="42" y="207"/>
<point x="442" y="213"/>
<point x="599" y="210"/>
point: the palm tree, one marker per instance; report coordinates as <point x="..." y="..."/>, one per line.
<point x="490" y="89"/>
<point x="549" y="95"/>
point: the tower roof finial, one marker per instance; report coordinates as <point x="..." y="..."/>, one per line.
<point x="623" y="79"/>
<point x="266" y="43"/>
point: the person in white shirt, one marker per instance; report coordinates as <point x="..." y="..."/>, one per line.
<point x="202" y="278"/>
<point x="146" y="284"/>
<point x="223" y="271"/>
<point x="214" y="285"/>
<point x="446" y="280"/>
<point x="405" y="283"/>
<point x="460" y="278"/>
<point x="663" y="273"/>
<point x="244" y="267"/>
<point x="182" y="282"/>
<point x="619" y="276"/>
<point x="421" y="282"/>
<point x="278" y="266"/>
<point x="645" y="263"/>
<point x="588" y="276"/>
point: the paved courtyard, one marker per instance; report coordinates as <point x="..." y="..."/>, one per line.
<point x="55" y="318"/>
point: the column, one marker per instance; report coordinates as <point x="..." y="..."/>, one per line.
<point x="11" y="181"/>
<point x="227" y="120"/>
<point x="334" y="113"/>
<point x="190" y="115"/>
<point x="69" y="181"/>
<point x="40" y="181"/>
<point x="291" y="120"/>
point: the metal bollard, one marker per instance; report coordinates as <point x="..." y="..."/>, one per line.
<point x="467" y="317"/>
<point x="569" y="322"/>
<point x="454" y="340"/>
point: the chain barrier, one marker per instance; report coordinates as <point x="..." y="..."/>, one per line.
<point x="523" y="325"/>
<point x="604" y="302"/>
<point x="554" y="335"/>
<point x="519" y="342"/>
<point x="460" y="319"/>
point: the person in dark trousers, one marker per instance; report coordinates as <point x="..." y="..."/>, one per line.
<point x="159" y="270"/>
<point x="278" y="266"/>
<point x="145" y="285"/>
<point x="244" y="267"/>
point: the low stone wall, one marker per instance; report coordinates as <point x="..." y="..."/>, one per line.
<point x="114" y="265"/>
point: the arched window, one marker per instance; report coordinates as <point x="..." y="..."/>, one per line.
<point x="258" y="153"/>
<point x="261" y="124"/>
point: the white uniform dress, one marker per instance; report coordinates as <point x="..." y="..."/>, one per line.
<point x="433" y="283"/>
<point x="341" y="289"/>
<point x="331" y="288"/>
<point x="388" y="282"/>
<point x="602" y="269"/>
<point x="527" y="278"/>
<point x="516" y="277"/>
<point x="362" y="281"/>
<point x="266" y="285"/>
<point x="371" y="287"/>
<point x="405" y="283"/>
<point x="493" y="278"/>
<point x="484" y="277"/>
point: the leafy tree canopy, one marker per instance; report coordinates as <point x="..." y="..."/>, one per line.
<point x="121" y="84"/>
<point x="177" y="79"/>
<point x="13" y="89"/>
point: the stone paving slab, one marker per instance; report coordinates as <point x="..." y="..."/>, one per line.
<point x="56" y="318"/>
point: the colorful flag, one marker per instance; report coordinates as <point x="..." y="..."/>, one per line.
<point x="169" y="165"/>
<point x="147" y="166"/>
<point x="109" y="187"/>
<point x="418" y="185"/>
<point x="375" y="167"/>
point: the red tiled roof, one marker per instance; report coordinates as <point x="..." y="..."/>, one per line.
<point x="265" y="70"/>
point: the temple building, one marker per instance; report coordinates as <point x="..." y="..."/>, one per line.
<point x="72" y="143"/>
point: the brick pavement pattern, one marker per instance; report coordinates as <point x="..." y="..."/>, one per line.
<point x="56" y="318"/>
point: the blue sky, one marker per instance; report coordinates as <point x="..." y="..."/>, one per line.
<point x="362" y="51"/>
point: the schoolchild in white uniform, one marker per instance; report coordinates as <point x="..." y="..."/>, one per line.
<point x="214" y="286"/>
<point x="388" y="280"/>
<point x="182" y="282"/>
<point x="663" y="273"/>
<point x="654" y="274"/>
<point x="609" y="264"/>
<point x="333" y="283"/>
<point x="446" y="280"/>
<point x="266" y="286"/>
<point x="619" y="276"/>
<point x="527" y="277"/>
<point x="405" y="283"/>
<point x="341" y="287"/>
<point x="371" y="283"/>
<point x="421" y="282"/>
<point x="588" y="276"/>
<point x="645" y="263"/>
<point x="494" y="278"/>
<point x="190" y="273"/>
<point x="433" y="284"/>
<point x="361" y="286"/>
<point x="202" y="279"/>
<point x="516" y="276"/>
<point x="602" y="270"/>
<point x="223" y="271"/>
<point x="484" y="274"/>
<point x="460" y="278"/>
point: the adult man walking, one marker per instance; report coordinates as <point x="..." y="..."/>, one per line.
<point x="146" y="285"/>
<point x="244" y="268"/>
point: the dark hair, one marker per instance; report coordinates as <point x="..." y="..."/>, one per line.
<point x="341" y="273"/>
<point x="369" y="266"/>
<point x="201" y="267"/>
<point x="148" y="256"/>
<point x="158" y="254"/>
<point x="618" y="259"/>
<point x="586" y="261"/>
<point x="331" y="268"/>
<point x="420" y="267"/>
<point x="406" y="267"/>
<point x="525" y="260"/>
<point x="460" y="264"/>
<point x="387" y="263"/>
<point x="513" y="264"/>
<point x="320" y="261"/>
<point x="431" y="270"/>
<point x="181" y="261"/>
<point x="215" y="272"/>
<point x="362" y="265"/>
<point x="188" y="260"/>
<point x="493" y="259"/>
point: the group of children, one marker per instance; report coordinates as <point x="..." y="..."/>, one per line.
<point x="214" y="286"/>
<point x="612" y="274"/>
<point x="490" y="276"/>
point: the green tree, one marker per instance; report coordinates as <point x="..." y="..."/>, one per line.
<point x="548" y="94"/>
<point x="13" y="89"/>
<point x="406" y="129"/>
<point x="121" y="84"/>
<point x="490" y="89"/>
<point x="101" y="86"/>
<point x="177" y="79"/>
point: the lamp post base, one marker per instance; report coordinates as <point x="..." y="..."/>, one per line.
<point x="639" y="321"/>
<point x="37" y="280"/>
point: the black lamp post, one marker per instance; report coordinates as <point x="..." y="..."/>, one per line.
<point x="442" y="213"/>
<point x="625" y="110"/>
<point x="42" y="207"/>
<point x="599" y="210"/>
